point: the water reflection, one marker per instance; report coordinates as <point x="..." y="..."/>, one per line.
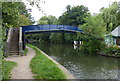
<point x="82" y="66"/>
<point x="76" y="46"/>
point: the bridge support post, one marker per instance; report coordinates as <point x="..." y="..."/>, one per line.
<point x="20" y="42"/>
<point x="23" y="44"/>
<point x="20" y="48"/>
<point x="24" y="41"/>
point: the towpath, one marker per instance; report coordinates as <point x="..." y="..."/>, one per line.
<point x="22" y="70"/>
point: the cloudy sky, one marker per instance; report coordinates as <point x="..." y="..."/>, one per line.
<point x="57" y="7"/>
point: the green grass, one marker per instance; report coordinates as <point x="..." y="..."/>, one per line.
<point x="7" y="67"/>
<point x="25" y="51"/>
<point x="44" y="68"/>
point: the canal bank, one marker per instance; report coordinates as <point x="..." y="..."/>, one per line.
<point x="68" y="75"/>
<point x="81" y="65"/>
<point x="64" y="70"/>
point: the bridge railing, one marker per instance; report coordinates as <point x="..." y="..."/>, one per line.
<point x="7" y="50"/>
<point x="50" y="27"/>
<point x="56" y="27"/>
<point x="20" y="42"/>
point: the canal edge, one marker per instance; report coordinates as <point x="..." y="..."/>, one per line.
<point x="68" y="74"/>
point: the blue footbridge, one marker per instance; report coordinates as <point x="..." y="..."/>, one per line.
<point x="17" y="35"/>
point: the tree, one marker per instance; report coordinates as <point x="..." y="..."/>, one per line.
<point x="23" y="21"/>
<point x="111" y="16"/>
<point x="93" y="34"/>
<point x="56" y="38"/>
<point x="48" y="20"/>
<point x="12" y="13"/>
<point x="41" y="37"/>
<point x="70" y="37"/>
<point x="74" y="16"/>
<point x="42" y="22"/>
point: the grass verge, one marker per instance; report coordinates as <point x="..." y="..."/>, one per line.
<point x="7" y="67"/>
<point x="25" y="51"/>
<point x="44" y="68"/>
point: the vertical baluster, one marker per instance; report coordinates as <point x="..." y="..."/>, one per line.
<point x="42" y="27"/>
<point x="49" y="26"/>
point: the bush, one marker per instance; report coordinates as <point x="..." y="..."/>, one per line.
<point x="92" y="46"/>
<point x="25" y="51"/>
<point x="112" y="50"/>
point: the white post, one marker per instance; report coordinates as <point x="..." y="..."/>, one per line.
<point x="75" y="47"/>
<point x="80" y="42"/>
<point x="20" y="42"/>
<point x="75" y="42"/>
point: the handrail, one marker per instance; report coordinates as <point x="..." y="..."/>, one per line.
<point x="10" y="32"/>
<point x="20" y="42"/>
<point x="51" y="27"/>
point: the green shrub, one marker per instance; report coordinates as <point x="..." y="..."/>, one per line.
<point x="92" y="46"/>
<point x="25" y="51"/>
<point x="112" y="50"/>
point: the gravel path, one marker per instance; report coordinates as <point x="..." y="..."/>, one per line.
<point x="22" y="70"/>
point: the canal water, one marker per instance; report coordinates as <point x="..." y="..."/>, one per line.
<point x="82" y="66"/>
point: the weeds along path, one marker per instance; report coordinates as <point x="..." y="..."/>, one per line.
<point x="22" y="70"/>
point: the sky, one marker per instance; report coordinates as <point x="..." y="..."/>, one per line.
<point x="57" y="7"/>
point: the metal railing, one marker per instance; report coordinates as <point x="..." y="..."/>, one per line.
<point x="50" y="28"/>
<point x="8" y="42"/>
